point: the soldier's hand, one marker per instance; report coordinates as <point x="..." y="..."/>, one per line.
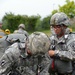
<point x="29" y="52"/>
<point x="51" y="52"/>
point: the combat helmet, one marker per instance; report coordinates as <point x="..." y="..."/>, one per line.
<point x="7" y="31"/>
<point x="59" y="18"/>
<point x="38" y="43"/>
<point x="21" y="26"/>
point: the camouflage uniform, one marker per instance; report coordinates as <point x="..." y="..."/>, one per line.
<point x="9" y="40"/>
<point x="63" y="47"/>
<point x="17" y="61"/>
<point x="64" y="54"/>
<point x="21" y="30"/>
<point x="14" y="60"/>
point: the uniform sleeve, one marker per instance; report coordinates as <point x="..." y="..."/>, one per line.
<point x="69" y="54"/>
<point x="6" y="62"/>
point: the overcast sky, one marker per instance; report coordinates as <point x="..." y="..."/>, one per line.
<point x="29" y="7"/>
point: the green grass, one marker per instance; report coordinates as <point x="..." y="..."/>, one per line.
<point x="47" y="32"/>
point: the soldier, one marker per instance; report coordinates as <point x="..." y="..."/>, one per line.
<point x="62" y="45"/>
<point x="26" y="58"/>
<point x="38" y="46"/>
<point x="8" y="40"/>
<point x="21" y="30"/>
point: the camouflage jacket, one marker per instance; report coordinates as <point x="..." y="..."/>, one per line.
<point x="21" y="31"/>
<point x="64" y="52"/>
<point x="8" y="40"/>
<point x="15" y="59"/>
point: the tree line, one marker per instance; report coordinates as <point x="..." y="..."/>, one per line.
<point x="34" y="22"/>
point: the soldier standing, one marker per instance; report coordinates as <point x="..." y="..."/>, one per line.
<point x="21" y="30"/>
<point x="62" y="45"/>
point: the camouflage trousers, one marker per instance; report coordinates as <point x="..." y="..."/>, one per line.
<point x="62" y="74"/>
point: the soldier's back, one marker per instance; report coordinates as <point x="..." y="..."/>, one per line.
<point x="9" y="40"/>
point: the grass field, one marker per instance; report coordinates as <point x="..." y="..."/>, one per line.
<point x="44" y="31"/>
<point x="48" y="32"/>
